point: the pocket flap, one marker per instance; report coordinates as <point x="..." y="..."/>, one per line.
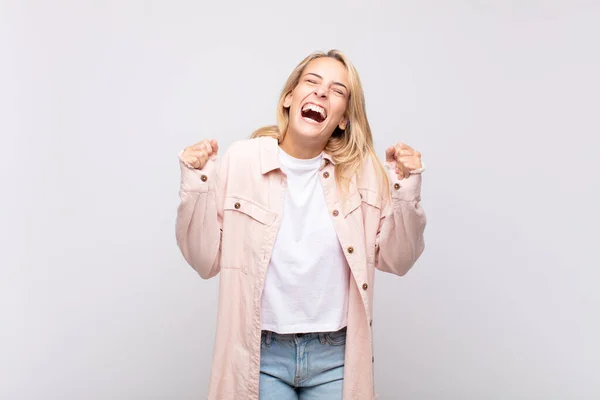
<point x="352" y="203"/>
<point x="370" y="197"/>
<point x="250" y="208"/>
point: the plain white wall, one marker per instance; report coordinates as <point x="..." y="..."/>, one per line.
<point x="98" y="97"/>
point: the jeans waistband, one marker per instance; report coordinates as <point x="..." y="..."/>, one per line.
<point x="293" y="336"/>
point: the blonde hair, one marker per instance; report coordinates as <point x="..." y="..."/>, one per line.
<point x="349" y="147"/>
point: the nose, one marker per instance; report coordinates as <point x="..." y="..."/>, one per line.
<point x="321" y="91"/>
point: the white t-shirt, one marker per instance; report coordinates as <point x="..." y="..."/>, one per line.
<point x="308" y="278"/>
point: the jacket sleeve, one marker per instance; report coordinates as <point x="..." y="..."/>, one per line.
<point x="400" y="239"/>
<point x="199" y="223"/>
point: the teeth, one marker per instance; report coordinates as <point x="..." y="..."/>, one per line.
<point x="314" y="107"/>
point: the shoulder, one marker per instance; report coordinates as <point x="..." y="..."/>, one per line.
<point x="369" y="172"/>
<point x="373" y="182"/>
<point x="245" y="149"/>
<point x="250" y="157"/>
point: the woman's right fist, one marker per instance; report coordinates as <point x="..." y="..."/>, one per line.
<point x="197" y="155"/>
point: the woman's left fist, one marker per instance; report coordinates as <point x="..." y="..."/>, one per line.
<point x="403" y="158"/>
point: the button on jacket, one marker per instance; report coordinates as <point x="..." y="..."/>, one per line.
<point x="227" y="221"/>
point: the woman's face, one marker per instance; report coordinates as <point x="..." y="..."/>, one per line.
<point x="317" y="105"/>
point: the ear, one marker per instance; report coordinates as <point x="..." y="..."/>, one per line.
<point x="287" y="102"/>
<point x="343" y="123"/>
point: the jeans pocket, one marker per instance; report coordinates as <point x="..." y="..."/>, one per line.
<point x="337" y="338"/>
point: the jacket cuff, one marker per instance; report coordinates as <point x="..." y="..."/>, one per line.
<point x="407" y="189"/>
<point x="197" y="180"/>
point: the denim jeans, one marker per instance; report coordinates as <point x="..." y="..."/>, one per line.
<point x="307" y="366"/>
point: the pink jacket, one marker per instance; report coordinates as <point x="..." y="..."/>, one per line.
<point x="227" y="221"/>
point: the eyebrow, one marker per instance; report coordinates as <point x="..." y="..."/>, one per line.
<point x="320" y="77"/>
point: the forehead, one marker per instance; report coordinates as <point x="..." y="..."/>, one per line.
<point x="329" y="68"/>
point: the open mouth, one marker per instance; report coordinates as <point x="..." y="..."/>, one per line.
<point x="314" y="112"/>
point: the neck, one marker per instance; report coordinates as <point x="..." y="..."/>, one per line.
<point x="301" y="150"/>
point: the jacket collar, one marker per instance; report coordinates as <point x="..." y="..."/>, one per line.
<point x="269" y="159"/>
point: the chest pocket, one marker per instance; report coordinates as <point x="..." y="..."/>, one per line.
<point x="244" y="226"/>
<point x="369" y="202"/>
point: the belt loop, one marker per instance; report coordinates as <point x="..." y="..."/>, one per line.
<point x="322" y="337"/>
<point x="268" y="338"/>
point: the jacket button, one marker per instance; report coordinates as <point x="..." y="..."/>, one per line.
<point x="237" y="206"/>
<point x="350" y="249"/>
<point x="325" y="174"/>
<point x="373" y="359"/>
<point x="365" y="286"/>
<point x="371" y="323"/>
<point x="336" y="213"/>
<point x="326" y="161"/>
<point x="204" y="178"/>
<point x="397" y="186"/>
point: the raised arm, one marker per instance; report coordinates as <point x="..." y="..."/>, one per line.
<point x="200" y="212"/>
<point x="400" y="240"/>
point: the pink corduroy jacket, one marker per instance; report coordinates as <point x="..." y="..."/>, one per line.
<point x="227" y="221"/>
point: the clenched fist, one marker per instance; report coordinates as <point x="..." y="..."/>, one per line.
<point x="404" y="159"/>
<point x="197" y="155"/>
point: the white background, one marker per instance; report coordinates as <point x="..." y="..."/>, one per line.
<point x="98" y="97"/>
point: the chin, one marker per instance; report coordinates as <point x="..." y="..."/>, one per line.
<point x="309" y="130"/>
<point x="309" y="133"/>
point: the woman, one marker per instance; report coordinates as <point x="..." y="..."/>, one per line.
<point x="296" y="219"/>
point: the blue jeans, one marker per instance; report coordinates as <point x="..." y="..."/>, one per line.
<point x="307" y="366"/>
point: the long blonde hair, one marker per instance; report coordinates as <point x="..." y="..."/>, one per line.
<point x="349" y="147"/>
